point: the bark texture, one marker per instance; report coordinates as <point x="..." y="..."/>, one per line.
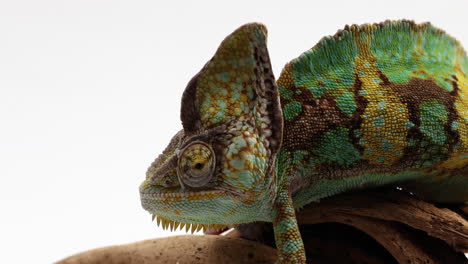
<point x="377" y="226"/>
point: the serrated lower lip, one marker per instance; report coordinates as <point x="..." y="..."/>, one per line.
<point x="172" y="225"/>
<point x="158" y="196"/>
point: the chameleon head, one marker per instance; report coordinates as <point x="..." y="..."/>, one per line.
<point x="219" y="170"/>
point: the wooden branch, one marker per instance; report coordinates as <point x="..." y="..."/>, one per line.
<point x="179" y="249"/>
<point x="377" y="226"/>
<point x="393" y="205"/>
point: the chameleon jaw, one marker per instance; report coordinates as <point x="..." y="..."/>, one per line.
<point x="172" y="225"/>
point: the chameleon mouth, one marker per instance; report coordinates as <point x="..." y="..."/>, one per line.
<point x="188" y="195"/>
<point x="168" y="224"/>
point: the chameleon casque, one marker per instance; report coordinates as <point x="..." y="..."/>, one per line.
<point x="372" y="105"/>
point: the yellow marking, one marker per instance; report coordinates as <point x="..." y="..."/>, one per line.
<point x="385" y="115"/>
<point x="286" y="77"/>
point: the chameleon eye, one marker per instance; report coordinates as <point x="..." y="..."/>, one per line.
<point x="196" y="164"/>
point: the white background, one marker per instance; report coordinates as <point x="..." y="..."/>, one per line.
<point x="90" y="95"/>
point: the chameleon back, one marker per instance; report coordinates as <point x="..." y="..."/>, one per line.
<point x="373" y="105"/>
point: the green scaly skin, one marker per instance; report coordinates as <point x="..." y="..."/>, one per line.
<point x="373" y="105"/>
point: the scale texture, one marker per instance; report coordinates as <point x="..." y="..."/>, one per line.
<point x="373" y="105"/>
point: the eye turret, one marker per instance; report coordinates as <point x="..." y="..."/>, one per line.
<point x="196" y="164"/>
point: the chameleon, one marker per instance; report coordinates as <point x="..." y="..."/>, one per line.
<point x="373" y="105"/>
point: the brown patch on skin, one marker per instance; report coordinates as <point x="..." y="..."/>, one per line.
<point x="356" y="119"/>
<point x="418" y="90"/>
<point x="412" y="94"/>
<point x="318" y="116"/>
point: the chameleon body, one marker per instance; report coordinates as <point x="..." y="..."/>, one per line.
<point x="373" y="105"/>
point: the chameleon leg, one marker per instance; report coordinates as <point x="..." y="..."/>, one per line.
<point x="287" y="236"/>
